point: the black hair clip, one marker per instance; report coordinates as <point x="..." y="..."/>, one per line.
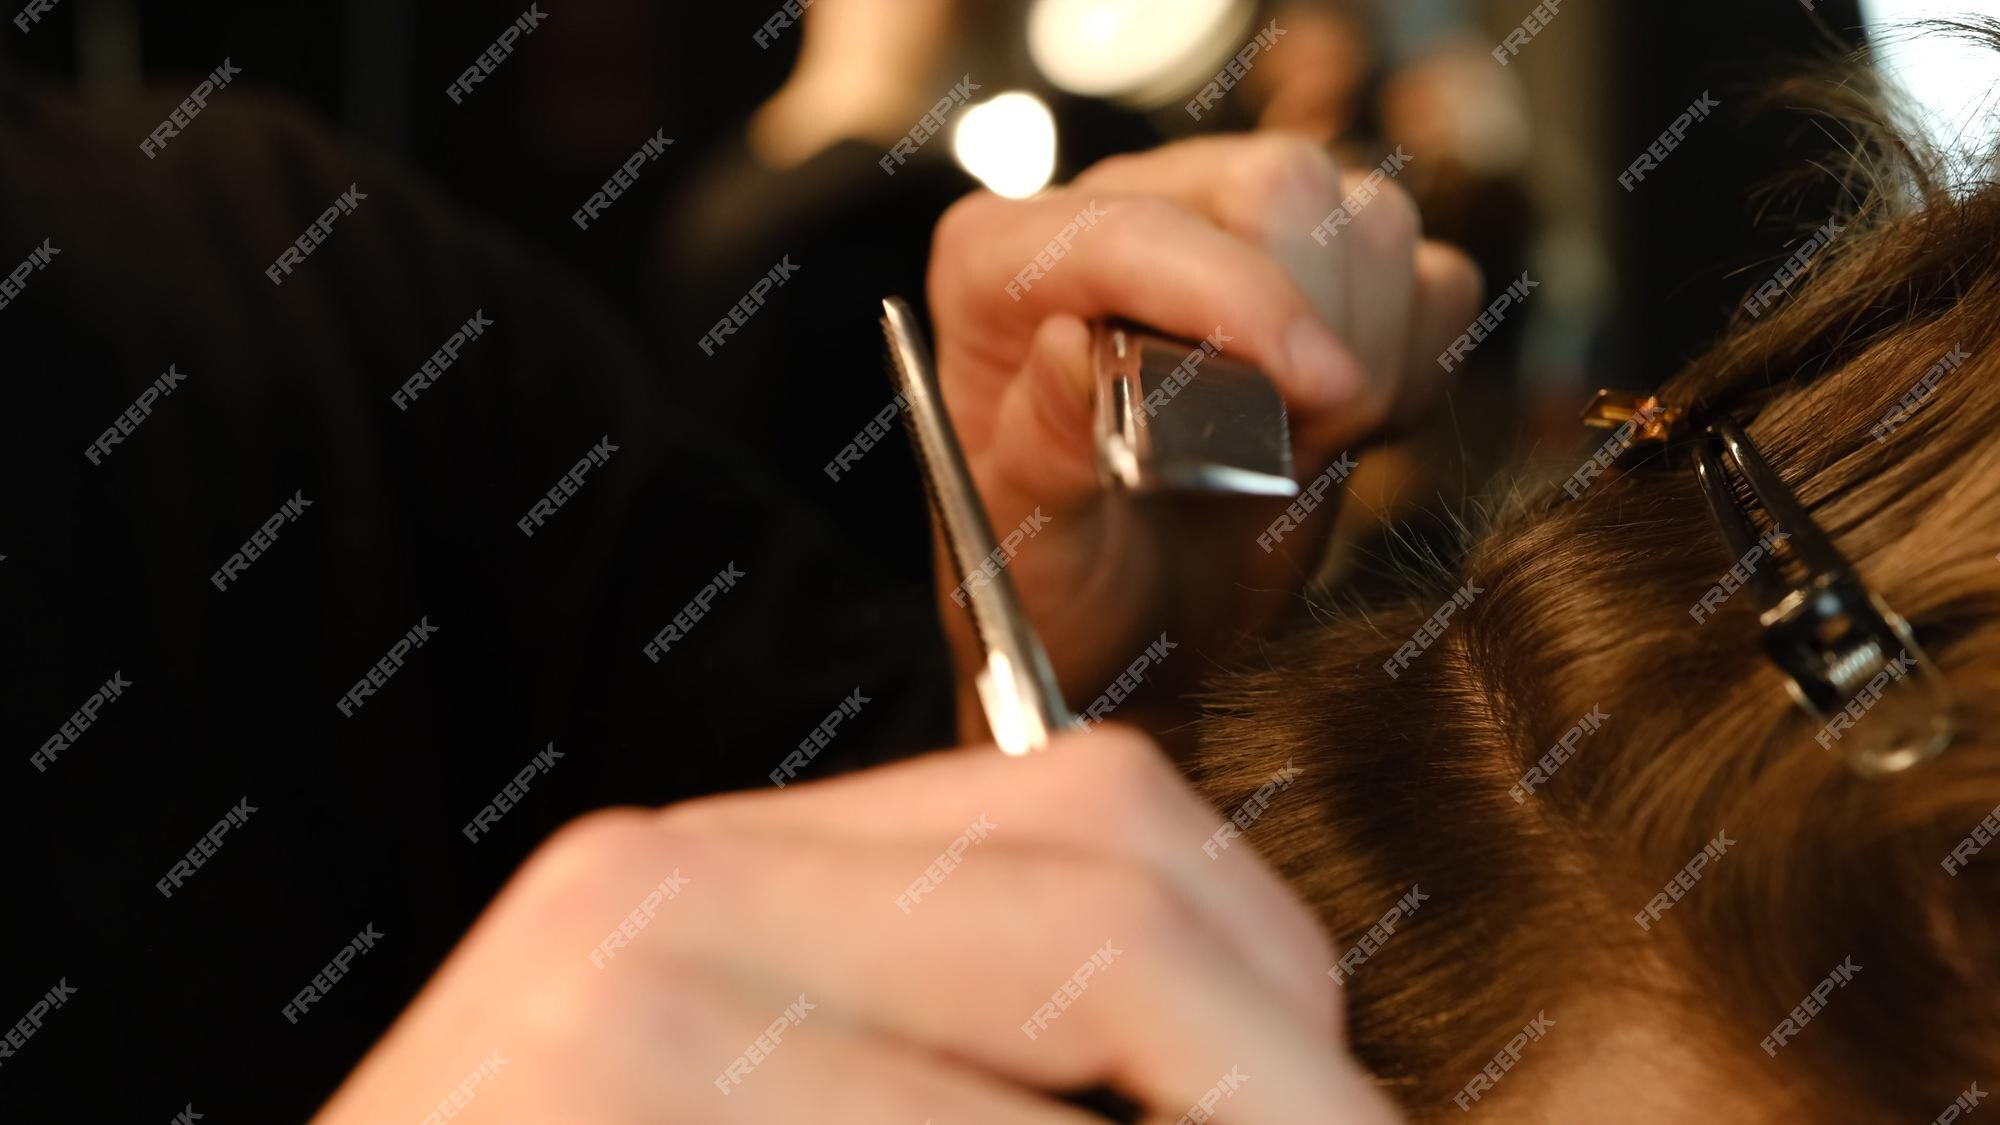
<point x="1854" y="664"/>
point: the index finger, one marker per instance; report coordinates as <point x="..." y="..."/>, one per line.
<point x="1110" y="793"/>
<point x="1146" y="257"/>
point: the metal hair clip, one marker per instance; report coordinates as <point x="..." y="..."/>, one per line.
<point x="1854" y="663"/>
<point x="1652" y="420"/>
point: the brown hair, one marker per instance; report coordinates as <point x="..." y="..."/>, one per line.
<point x="1582" y="604"/>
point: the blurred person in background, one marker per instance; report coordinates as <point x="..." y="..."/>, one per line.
<point x="801" y="187"/>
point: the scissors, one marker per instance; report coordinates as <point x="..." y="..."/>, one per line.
<point x="1017" y="686"/>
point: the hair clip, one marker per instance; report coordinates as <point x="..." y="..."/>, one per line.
<point x="1649" y="419"/>
<point x="1854" y="663"/>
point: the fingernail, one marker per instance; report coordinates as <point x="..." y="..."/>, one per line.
<point x="1325" y="370"/>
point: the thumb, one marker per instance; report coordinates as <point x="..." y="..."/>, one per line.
<point x="1044" y="442"/>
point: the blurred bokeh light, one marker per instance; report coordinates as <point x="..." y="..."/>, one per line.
<point x="1008" y="144"/>
<point x="1141" y="52"/>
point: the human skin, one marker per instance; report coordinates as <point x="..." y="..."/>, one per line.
<point x="790" y="898"/>
<point x="787" y="896"/>
<point x="1205" y="234"/>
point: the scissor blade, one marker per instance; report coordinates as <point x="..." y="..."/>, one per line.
<point x="1017" y="686"/>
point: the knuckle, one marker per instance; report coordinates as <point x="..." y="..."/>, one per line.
<point x="574" y="860"/>
<point x="1124" y="899"/>
<point x="1394" y="218"/>
<point x="1276" y="167"/>
<point x="1144" y="216"/>
<point x="963" y="223"/>
<point x="598" y="834"/>
<point x="1296" y="160"/>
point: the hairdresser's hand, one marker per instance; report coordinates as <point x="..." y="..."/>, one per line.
<point x="1200" y="236"/>
<point x="908" y="944"/>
